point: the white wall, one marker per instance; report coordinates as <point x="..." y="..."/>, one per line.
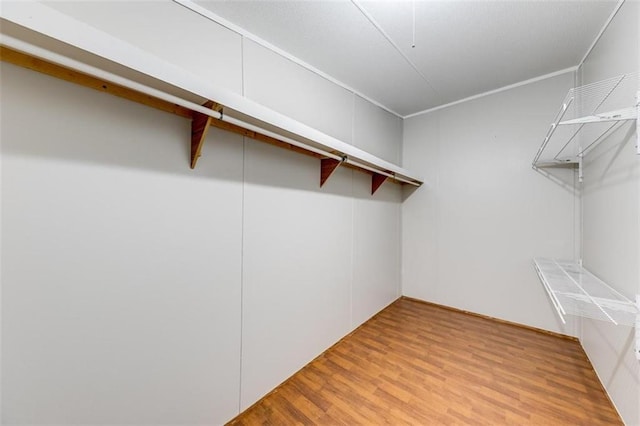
<point x="375" y="130"/>
<point x="117" y="274"/>
<point x="138" y="291"/>
<point x="307" y="92"/>
<point x="168" y="31"/>
<point x="611" y="215"/>
<point x="376" y="226"/>
<point x="469" y="237"/>
<point x="199" y="45"/>
<point x="297" y="258"/>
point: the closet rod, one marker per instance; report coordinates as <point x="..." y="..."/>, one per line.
<point x="67" y="62"/>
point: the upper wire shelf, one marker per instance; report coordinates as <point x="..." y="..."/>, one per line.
<point x="575" y="291"/>
<point x="587" y="116"/>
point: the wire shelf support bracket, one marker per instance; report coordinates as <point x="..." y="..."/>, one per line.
<point x="587" y="116"/>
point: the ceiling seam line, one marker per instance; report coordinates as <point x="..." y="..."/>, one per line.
<point x="395" y="46"/>
<point x="494" y="91"/>
<point x="601" y="33"/>
<point x="206" y="13"/>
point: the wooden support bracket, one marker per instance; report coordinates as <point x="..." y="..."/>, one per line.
<point x="199" y="124"/>
<point x="376" y="181"/>
<point x="327" y="167"/>
<point x="199" y="128"/>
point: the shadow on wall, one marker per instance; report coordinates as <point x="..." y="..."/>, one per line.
<point x="43" y="117"/>
<point x="409" y="190"/>
<point x="557" y="174"/>
<point x="612" y="145"/>
<point x="618" y="340"/>
<point x="613" y="149"/>
<point x="266" y="165"/>
<point x="49" y="118"/>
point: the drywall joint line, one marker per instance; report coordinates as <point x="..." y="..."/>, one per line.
<point x="1" y="316"/>
<point x="189" y="4"/>
<point x="242" y="237"/>
<point x="637" y="327"/>
<point x="353" y="214"/>
<point x="242" y="225"/>
<point x="577" y="239"/>
<point x="242" y="65"/>
<point x="493" y="92"/>
<point x="206" y="13"/>
<point x="393" y="43"/>
<point x="353" y="119"/>
<point x="604" y="28"/>
<point x="638" y="122"/>
<point x="352" y="251"/>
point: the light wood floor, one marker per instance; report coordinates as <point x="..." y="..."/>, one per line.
<point x="420" y="364"/>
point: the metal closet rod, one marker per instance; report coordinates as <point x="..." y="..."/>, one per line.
<point x="65" y="61"/>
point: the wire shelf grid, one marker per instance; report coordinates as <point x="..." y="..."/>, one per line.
<point x="575" y="291"/>
<point x="588" y="114"/>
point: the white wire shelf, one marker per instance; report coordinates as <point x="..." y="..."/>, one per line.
<point x="587" y="116"/>
<point x="575" y="291"/>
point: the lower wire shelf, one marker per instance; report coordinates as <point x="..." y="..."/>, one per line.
<point x="575" y="291"/>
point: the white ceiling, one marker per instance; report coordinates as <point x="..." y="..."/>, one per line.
<point x="463" y="48"/>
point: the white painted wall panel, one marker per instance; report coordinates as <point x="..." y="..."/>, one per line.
<point x="492" y="212"/>
<point x="376" y="254"/>
<point x="121" y="266"/>
<point x="169" y="31"/>
<point x="122" y="269"/>
<point x="377" y="131"/>
<point x="296" y="268"/>
<point x="611" y="215"/>
<point x="421" y="139"/>
<point x="290" y="89"/>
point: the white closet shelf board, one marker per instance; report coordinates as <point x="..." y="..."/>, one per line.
<point x="42" y="32"/>
<point x="575" y="291"/>
<point x="587" y="115"/>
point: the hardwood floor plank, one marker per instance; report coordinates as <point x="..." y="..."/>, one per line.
<point x="417" y="363"/>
